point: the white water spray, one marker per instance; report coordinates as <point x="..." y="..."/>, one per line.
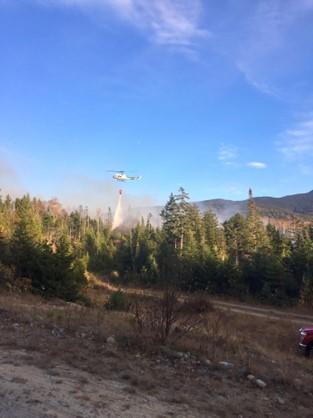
<point x="118" y="219"/>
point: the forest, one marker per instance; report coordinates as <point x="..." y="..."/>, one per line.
<point x="48" y="250"/>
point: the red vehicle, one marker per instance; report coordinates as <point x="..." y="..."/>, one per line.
<point x="306" y="340"/>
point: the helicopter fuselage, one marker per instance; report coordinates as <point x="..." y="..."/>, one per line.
<point x="124" y="177"/>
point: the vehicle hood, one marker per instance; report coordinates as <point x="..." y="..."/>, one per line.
<point x="308" y="328"/>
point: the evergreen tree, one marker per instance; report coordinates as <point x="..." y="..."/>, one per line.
<point x="235" y="230"/>
<point x="264" y="277"/>
<point x="58" y="274"/>
<point x="41" y="241"/>
<point x="5" y="256"/>
<point x="26" y="237"/>
<point x="256" y="237"/>
<point x="194" y="245"/>
<point x="183" y="216"/>
<point x="170" y="217"/>
<point x="214" y="235"/>
<point x="278" y="243"/>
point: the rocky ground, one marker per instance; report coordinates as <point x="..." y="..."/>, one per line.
<point x="50" y="371"/>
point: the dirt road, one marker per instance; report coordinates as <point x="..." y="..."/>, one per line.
<point x="268" y="313"/>
<point x="239" y="308"/>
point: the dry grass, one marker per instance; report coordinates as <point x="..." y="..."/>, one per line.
<point x="262" y="347"/>
<point x="55" y="332"/>
<point x="70" y="317"/>
<point x="265" y="348"/>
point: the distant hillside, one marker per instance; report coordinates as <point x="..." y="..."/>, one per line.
<point x="299" y="205"/>
<point x="277" y="208"/>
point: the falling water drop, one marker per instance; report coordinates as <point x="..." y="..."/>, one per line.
<point x="117" y="220"/>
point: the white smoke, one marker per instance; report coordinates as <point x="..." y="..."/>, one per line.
<point x="95" y="194"/>
<point x="10" y="182"/>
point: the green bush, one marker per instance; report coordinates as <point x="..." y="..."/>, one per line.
<point x="118" y="301"/>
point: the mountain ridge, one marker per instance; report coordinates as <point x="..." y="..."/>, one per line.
<point x="299" y="205"/>
<point x="285" y="208"/>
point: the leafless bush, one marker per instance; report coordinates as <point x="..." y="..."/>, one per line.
<point x="222" y="337"/>
<point x="159" y="319"/>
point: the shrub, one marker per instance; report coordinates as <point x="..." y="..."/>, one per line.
<point x="9" y="280"/>
<point x="307" y="292"/>
<point x="159" y="319"/>
<point x="118" y="301"/>
<point x="7" y="275"/>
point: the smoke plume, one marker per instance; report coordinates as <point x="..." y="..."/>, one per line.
<point x="9" y="180"/>
<point x="128" y="208"/>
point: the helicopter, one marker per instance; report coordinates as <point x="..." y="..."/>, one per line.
<point x="122" y="176"/>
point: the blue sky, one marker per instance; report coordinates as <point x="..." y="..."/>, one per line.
<point x="216" y="96"/>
